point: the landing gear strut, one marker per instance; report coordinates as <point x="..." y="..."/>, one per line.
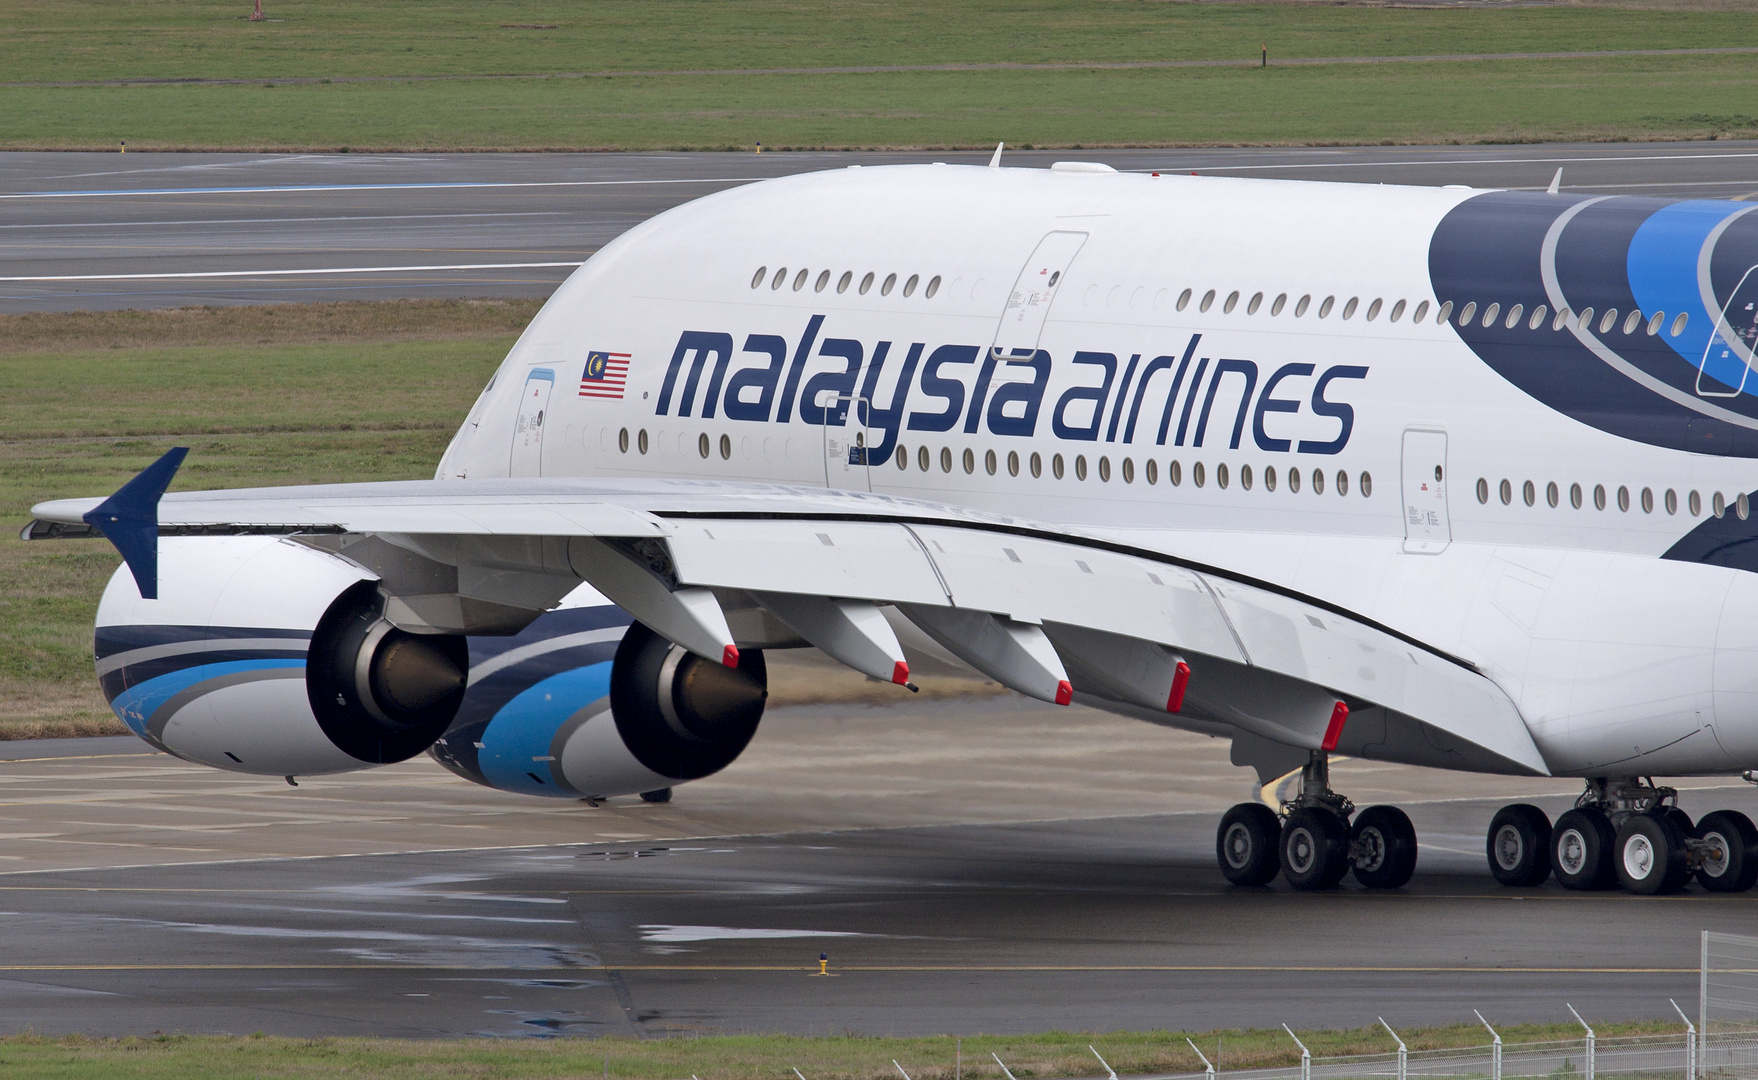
<point x="1624" y="831"/>
<point x="1312" y="842"/>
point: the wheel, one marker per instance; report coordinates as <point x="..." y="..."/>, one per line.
<point x="1730" y="858"/>
<point x="1315" y="848"/>
<point x="1247" y="844"/>
<point x="1581" y="847"/>
<point x="1519" y="845"/>
<point x="1650" y="855"/>
<point x="661" y="795"/>
<point x="1382" y="847"/>
<point x="1681" y="820"/>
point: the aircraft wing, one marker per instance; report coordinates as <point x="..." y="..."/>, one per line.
<point x="1044" y="610"/>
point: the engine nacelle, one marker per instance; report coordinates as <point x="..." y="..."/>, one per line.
<point x="585" y="704"/>
<point x="264" y="656"/>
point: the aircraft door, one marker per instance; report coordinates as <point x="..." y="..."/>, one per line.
<point x="845" y="444"/>
<point x="1729" y="356"/>
<point x="528" y="429"/>
<point x="1427" y="528"/>
<point x="1039" y="280"/>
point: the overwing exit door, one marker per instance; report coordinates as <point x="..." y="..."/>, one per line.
<point x="1022" y="322"/>
<point x="1427" y="528"/>
<point x="845" y="444"/>
<point x="528" y="429"/>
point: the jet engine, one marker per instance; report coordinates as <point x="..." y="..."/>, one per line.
<point x="575" y="706"/>
<point x="265" y="656"/>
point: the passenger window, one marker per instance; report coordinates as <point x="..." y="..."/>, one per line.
<point x="1325" y="307"/>
<point x="1467" y="313"/>
<point x="866" y="283"/>
<point x="1599" y="496"/>
<point x="890" y="283"/>
<point x="1624" y="499"/>
<point x="970" y="461"/>
<point x="989" y="462"/>
<point x="1718" y="505"/>
<point x="641" y="441"/>
<point x="1256" y="301"/>
<point x="1647" y="500"/>
<point x="780" y="276"/>
<point x="1056" y="466"/>
<point x="1606" y="321"/>
<point x="1301" y="305"/>
<point x="946" y="459"/>
<point x="762" y="272"/>
<point x="1654" y="323"/>
<point x="909" y="287"/>
<point x="1537" y="319"/>
<point x="1197" y="474"/>
<point x="1278" y="304"/>
<point x="1037" y="465"/>
<point x="1421" y="313"/>
<point x="1366" y="485"/>
<point x="1080" y="466"/>
<point x="1529" y="493"/>
<point x="1489" y="315"/>
<point x="1318" y="481"/>
<point x="1232" y="302"/>
<point x="1552" y="495"/>
<point x="1513" y="318"/>
<point x="1679" y="324"/>
<point x="726" y="448"/>
<point x="1104" y="470"/>
<point x="1561" y="320"/>
<point x="623" y="440"/>
<point x="1443" y="313"/>
<point x="1575" y="496"/>
<point x="1245" y="477"/>
<point x="1150" y="471"/>
<point x="1183" y="300"/>
<point x="1174" y="473"/>
<point x="1269" y="478"/>
<point x="1013" y="463"/>
<point x="1482" y="490"/>
<point x="1221" y="475"/>
<point x="924" y="458"/>
<point x="1349" y="308"/>
<point x="1373" y="311"/>
<point x="933" y="287"/>
<point x="823" y="280"/>
<point x="903" y="458"/>
<point x="1128" y="471"/>
<point x="843" y="281"/>
<point x="1208" y="301"/>
<point x="1694" y="503"/>
<point x="1294" y="480"/>
<point x="1397" y="312"/>
<point x="702" y="445"/>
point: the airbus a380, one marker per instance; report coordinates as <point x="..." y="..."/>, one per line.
<point x="1439" y="476"/>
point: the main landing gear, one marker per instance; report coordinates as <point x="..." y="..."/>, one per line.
<point x="1624" y="831"/>
<point x="1312" y="842"/>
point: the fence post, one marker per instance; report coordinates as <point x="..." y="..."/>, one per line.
<point x="1703" y="1006"/>
<point x="1495" y="1050"/>
<point x="998" y="1061"/>
<point x="1590" y="1040"/>
<point x="1403" y="1052"/>
<point x="1206" y="1065"/>
<point x="1306" y="1055"/>
<point x="1108" y="1069"/>
<point x="1690" y="1042"/>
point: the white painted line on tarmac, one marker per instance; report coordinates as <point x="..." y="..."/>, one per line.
<point x="294" y="273"/>
<point x="303" y="188"/>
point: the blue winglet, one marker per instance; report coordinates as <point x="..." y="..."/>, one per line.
<point x="129" y="519"/>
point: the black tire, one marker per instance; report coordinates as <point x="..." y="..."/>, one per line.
<point x="1518" y="845"/>
<point x="1581" y="846"/>
<point x="1650" y="855"/>
<point x="1383" y="843"/>
<point x="659" y="795"/>
<point x="1314" y="848"/>
<point x="1680" y="820"/>
<point x="1248" y="844"/>
<point x="1737" y="868"/>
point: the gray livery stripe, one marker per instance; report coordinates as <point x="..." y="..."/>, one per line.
<point x="155" y="725"/>
<point x="117" y="661"/>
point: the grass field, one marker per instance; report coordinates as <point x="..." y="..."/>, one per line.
<point x="271" y="395"/>
<point x="851" y="1057"/>
<point x="454" y="74"/>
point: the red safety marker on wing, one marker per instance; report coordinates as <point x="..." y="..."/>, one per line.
<point x="1334" y="730"/>
<point x="1064" y="692"/>
<point x="900" y="673"/>
<point x="1180" y="682"/>
<point x="731" y="656"/>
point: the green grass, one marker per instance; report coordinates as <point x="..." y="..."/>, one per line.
<point x="850" y="1057"/>
<point x="1603" y="98"/>
<point x="304" y="410"/>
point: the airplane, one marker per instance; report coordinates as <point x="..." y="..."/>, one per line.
<point x="1442" y="476"/>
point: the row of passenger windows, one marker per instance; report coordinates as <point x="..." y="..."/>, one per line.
<point x="1150" y="470"/>
<point x="1304" y="304"/>
<point x="822" y="282"/>
<point x="1582" y="320"/>
<point x="925" y="458"/>
<point x="1669" y="499"/>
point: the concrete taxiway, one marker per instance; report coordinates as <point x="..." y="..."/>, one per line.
<point x="92" y="231"/>
<point x="975" y="866"/>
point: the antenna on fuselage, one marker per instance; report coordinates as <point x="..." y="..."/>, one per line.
<point x="1556" y="183"/>
<point x="995" y="161"/>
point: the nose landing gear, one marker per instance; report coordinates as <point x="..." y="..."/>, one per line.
<point x="1313" y="843"/>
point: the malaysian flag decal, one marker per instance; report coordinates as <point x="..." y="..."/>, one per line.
<point x="605" y="374"/>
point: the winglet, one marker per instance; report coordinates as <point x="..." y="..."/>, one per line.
<point x="129" y="519"/>
<point x="1556" y="183"/>
<point x="995" y="162"/>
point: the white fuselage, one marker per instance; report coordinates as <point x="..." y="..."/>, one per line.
<point x="1266" y="440"/>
